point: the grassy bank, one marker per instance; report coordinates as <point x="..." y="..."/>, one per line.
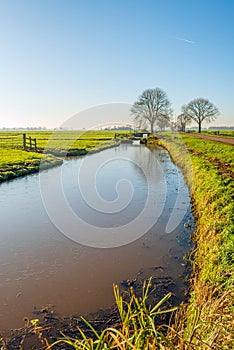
<point x="15" y="161"/>
<point x="208" y="168"/>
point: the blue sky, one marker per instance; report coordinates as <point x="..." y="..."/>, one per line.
<point x="59" y="57"/>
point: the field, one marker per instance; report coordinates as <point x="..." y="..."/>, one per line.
<point x="58" y="139"/>
<point x="220" y="155"/>
<point x="15" y="161"/>
<point x="226" y="133"/>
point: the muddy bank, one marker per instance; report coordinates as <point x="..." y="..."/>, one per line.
<point x="44" y="327"/>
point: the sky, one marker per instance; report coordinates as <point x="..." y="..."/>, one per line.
<point x="61" y="57"/>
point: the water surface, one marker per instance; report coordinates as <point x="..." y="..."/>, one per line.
<point x="41" y="266"/>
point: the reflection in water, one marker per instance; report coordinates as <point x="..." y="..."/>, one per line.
<point x="40" y="266"/>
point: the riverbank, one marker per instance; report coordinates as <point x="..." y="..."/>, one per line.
<point x="207" y="322"/>
<point x="16" y="162"/>
<point x="48" y="328"/>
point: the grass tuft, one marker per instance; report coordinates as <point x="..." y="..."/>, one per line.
<point x="137" y="328"/>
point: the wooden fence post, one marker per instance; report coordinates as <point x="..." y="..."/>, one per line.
<point x="31" y="142"/>
<point x="24" y="141"/>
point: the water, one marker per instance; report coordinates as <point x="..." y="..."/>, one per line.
<point x="41" y="266"/>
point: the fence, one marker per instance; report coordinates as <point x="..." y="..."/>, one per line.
<point x="29" y="143"/>
<point x="18" y="141"/>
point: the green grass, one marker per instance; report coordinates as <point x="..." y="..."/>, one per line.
<point x="208" y="167"/>
<point x="61" y="139"/>
<point x="17" y="162"/>
<point x="214" y="150"/>
<point x="58" y="139"/>
<point x="14" y="161"/>
<point x="223" y="133"/>
<point x="11" y="157"/>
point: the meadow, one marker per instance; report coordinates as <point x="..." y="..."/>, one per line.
<point x="226" y="133"/>
<point x="17" y="162"/>
<point x="51" y="147"/>
<point x="58" y="139"/>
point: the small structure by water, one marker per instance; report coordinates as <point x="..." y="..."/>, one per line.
<point x="140" y="135"/>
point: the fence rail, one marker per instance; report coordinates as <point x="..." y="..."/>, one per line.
<point x="19" y="141"/>
<point x="29" y="142"/>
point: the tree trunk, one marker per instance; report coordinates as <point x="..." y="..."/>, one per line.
<point x="199" y="127"/>
<point x="152" y="128"/>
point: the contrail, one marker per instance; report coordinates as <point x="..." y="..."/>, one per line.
<point x="186" y="40"/>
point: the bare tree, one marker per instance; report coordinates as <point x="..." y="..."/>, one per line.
<point x="182" y="121"/>
<point x="163" y="122"/>
<point x="151" y="106"/>
<point x="140" y="124"/>
<point x="199" y="110"/>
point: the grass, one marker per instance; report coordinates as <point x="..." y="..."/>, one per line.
<point x="136" y="328"/>
<point x="223" y="133"/>
<point x="15" y="161"/>
<point x="61" y="139"/>
<point x="208" y="168"/>
<point x="58" y="140"/>
<point x="210" y="150"/>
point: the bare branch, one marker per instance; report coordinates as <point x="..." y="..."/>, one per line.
<point x="152" y="106"/>
<point x="200" y="110"/>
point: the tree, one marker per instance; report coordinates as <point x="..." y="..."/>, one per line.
<point x="163" y="122"/>
<point x="151" y="106"/>
<point x="182" y="121"/>
<point x="200" y="110"/>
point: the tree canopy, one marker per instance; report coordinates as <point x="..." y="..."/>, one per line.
<point x="152" y="106"/>
<point x="182" y="121"/>
<point x="199" y="110"/>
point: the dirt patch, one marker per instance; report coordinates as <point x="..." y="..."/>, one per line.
<point x="195" y="153"/>
<point x="224" y="168"/>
